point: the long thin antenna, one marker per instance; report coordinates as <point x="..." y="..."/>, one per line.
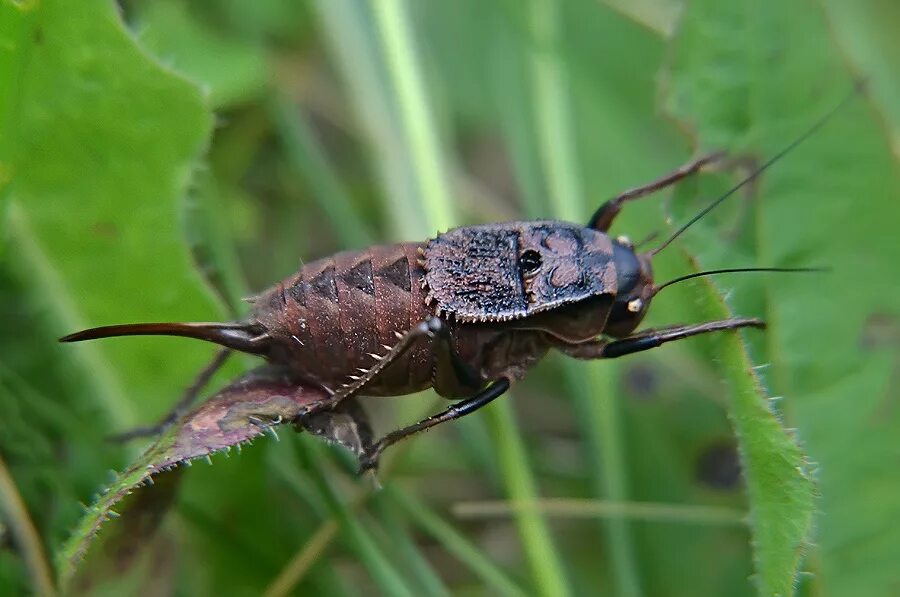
<point x="732" y="270"/>
<point x="755" y="174"/>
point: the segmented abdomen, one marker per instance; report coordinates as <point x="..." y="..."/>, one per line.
<point x="336" y="313"/>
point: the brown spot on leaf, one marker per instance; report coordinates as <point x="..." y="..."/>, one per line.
<point x="106" y="230"/>
<point x="880" y="330"/>
<point x="641" y="381"/>
<point x="718" y="466"/>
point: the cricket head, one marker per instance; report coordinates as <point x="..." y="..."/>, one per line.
<point x="634" y="289"/>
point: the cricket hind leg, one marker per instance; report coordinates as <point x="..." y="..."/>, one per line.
<point x="433" y="328"/>
<point x="605" y="349"/>
<point x="451" y="368"/>
<point x="606" y="213"/>
<point x="186" y="400"/>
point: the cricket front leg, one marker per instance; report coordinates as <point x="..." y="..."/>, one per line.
<point x="606" y="213"/>
<point x="611" y="349"/>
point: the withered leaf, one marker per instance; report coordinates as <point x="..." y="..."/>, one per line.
<point x="248" y="407"/>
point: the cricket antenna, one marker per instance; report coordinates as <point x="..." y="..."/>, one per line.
<point x="857" y="88"/>
<point x="732" y="270"/>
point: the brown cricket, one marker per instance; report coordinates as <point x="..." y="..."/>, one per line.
<point x="466" y="313"/>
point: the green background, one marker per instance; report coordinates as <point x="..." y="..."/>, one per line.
<point x="161" y="160"/>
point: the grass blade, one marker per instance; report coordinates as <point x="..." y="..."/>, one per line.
<point x="430" y="172"/>
<point x="575" y="508"/>
<point x="596" y="397"/>
<point x="307" y="158"/>
<point x="455" y="543"/>
<point x="418" y="123"/>
<point x="371" y="555"/>
<point x="348" y="25"/>
<point x="303" y="560"/>
<point x="402" y="544"/>
<point x="26" y="536"/>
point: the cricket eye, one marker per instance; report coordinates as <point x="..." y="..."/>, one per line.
<point x="530" y="261"/>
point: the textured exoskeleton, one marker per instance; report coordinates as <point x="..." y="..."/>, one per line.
<point x="467" y="312"/>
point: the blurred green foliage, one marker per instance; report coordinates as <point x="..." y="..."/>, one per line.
<point x="163" y="160"/>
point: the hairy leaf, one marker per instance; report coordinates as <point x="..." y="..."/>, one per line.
<point x="108" y="137"/>
<point x="244" y="410"/>
<point x="754" y="76"/>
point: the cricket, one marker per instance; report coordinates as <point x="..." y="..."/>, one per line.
<point x="466" y="313"/>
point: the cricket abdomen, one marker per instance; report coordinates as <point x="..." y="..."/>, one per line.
<point x="337" y="315"/>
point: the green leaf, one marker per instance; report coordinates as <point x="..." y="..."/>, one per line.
<point x="753" y="76"/>
<point x="776" y="471"/>
<point x="100" y="143"/>
<point x="865" y="33"/>
<point x="17" y="30"/>
<point x="107" y="137"/>
<point x="233" y="70"/>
